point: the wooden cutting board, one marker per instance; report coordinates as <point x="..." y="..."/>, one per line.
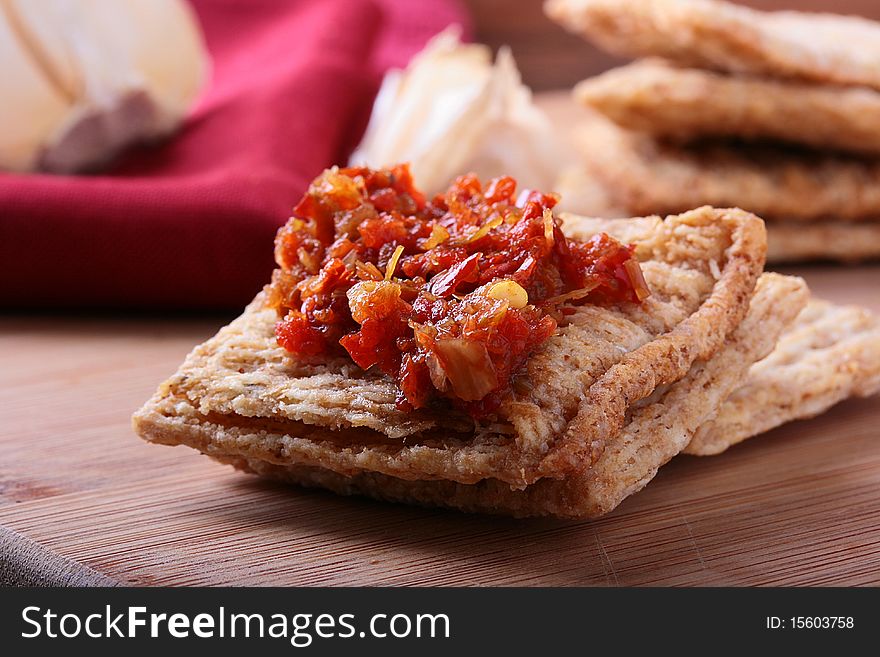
<point x="84" y="501"/>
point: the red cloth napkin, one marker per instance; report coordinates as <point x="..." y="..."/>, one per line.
<point x="190" y="223"/>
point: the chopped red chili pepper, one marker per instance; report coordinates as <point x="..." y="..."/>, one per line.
<point x="448" y="297"/>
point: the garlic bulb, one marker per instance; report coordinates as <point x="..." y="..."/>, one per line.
<point x="453" y="111"/>
<point x="84" y="78"/>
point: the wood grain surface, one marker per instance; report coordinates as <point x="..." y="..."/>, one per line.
<point x="84" y="501"/>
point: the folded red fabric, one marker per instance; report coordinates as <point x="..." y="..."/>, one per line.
<point x="189" y="223"/>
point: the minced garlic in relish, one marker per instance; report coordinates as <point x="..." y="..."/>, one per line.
<point x="449" y="296"/>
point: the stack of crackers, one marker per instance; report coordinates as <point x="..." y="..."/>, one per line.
<point x="719" y="352"/>
<point x="774" y="112"/>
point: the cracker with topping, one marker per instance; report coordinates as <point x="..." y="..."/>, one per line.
<point x="347" y="462"/>
<point x="244" y="398"/>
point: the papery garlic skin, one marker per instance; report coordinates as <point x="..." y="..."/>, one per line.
<point x="454" y="111"/>
<point x="120" y="71"/>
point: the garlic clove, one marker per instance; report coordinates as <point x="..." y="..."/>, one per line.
<point x="41" y="27"/>
<point x="162" y="42"/>
<point x="442" y="90"/>
<point x="510" y="291"/>
<point x="454" y="110"/>
<point x="129" y="68"/>
<point x="32" y="107"/>
<point x="519" y="139"/>
<point x="90" y="134"/>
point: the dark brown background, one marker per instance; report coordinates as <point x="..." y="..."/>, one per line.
<point x="551" y="58"/>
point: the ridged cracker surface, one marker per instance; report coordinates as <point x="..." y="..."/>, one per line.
<point x="657" y="429"/>
<point x="830" y="354"/>
<point x="648" y="176"/>
<point x="685" y="104"/>
<point x="728" y="37"/>
<point x="240" y="397"/>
